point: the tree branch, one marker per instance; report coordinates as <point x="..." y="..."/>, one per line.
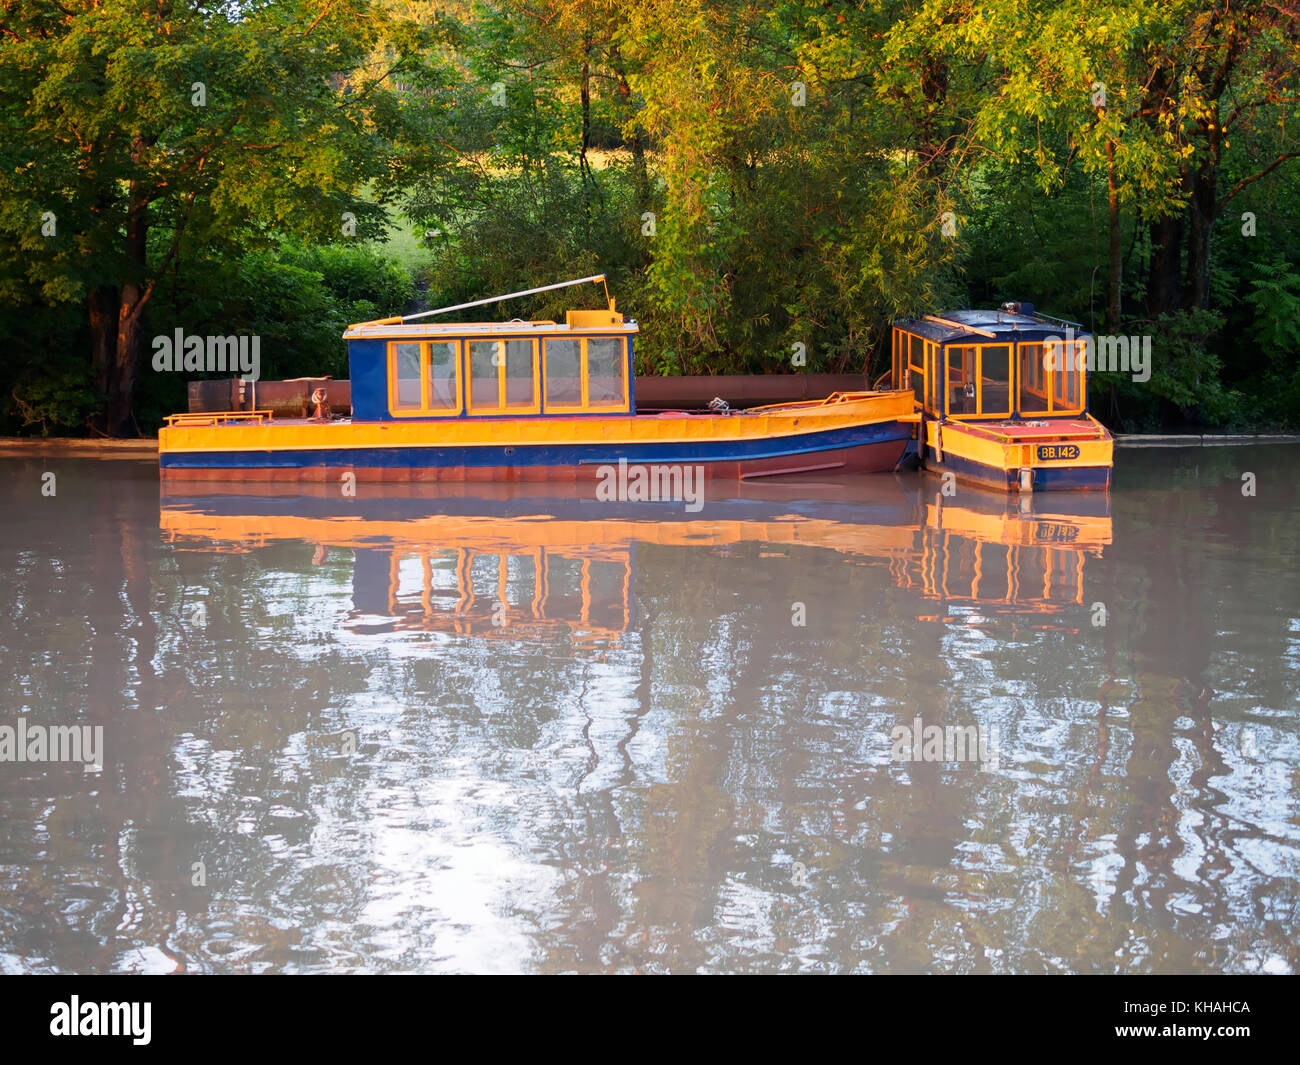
<point x="1251" y="180"/>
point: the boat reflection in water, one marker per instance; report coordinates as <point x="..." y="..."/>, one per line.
<point x="536" y="560"/>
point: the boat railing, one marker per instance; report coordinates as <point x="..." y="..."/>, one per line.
<point x="246" y="417"/>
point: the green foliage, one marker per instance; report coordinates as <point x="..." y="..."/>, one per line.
<point x="58" y="399"/>
<point x="297" y="298"/>
<point x="1274" y="303"/>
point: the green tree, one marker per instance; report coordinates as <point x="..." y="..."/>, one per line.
<point x="212" y="126"/>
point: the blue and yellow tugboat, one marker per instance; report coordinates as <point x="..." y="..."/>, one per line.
<point x="1003" y="398"/>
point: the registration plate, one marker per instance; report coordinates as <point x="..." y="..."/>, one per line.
<point x="1049" y="452"/>
<point x="1054" y="533"/>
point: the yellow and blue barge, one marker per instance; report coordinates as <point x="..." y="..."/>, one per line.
<point x="525" y="401"/>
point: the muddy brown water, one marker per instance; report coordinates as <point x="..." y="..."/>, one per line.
<point x="482" y="730"/>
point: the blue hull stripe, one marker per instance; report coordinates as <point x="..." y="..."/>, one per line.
<point x="702" y="451"/>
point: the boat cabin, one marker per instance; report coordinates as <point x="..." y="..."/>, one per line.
<point x="411" y="371"/>
<point x="1005" y="364"/>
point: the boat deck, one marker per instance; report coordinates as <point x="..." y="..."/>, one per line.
<point x="1048" y="428"/>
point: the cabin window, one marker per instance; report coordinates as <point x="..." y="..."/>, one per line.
<point x="1032" y="394"/>
<point x="1067" y="375"/>
<point x="406" y="376"/>
<point x="916" y="353"/>
<point x="586" y="373"/>
<point x="563" y="372"/>
<point x="915" y="350"/>
<point x="933" y="377"/>
<point x="961" y="380"/>
<point x="993" y="376"/>
<point x="1061" y="379"/>
<point x="424" y="377"/>
<point x="605" y="371"/>
<point x="979" y="380"/>
<point x="503" y="376"/>
<point x="443" y="357"/>
<point x="484" y="374"/>
<point x="519" y="374"/>
<point x="1044" y="391"/>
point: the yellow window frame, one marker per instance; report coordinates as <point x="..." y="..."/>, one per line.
<point x="1080" y="350"/>
<point x="1048" y="378"/>
<point x="910" y="364"/>
<point x="948" y="381"/>
<point x="501" y="410"/>
<point x="909" y="367"/>
<point x="584" y="378"/>
<point x="1040" y="380"/>
<point x="424" y="410"/>
<point x="933" y="377"/>
<point x="1010" y="347"/>
<point x="977" y="375"/>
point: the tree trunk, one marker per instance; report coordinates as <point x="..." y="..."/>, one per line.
<point x="1113" y="304"/>
<point x="130" y="312"/>
<point x="584" y="166"/>
<point x="584" y="96"/>
<point x="126" y="362"/>
<point x="1166" y="259"/>
<point x="101" y="306"/>
<point x="1202" y="209"/>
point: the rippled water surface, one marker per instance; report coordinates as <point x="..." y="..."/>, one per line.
<point x="480" y="730"/>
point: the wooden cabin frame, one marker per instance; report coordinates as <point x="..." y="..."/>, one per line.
<point x="940" y="373"/>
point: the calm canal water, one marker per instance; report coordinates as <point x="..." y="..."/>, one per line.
<point x="465" y="730"/>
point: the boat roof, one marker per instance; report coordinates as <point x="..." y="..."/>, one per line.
<point x="460" y="329"/>
<point x="967" y="326"/>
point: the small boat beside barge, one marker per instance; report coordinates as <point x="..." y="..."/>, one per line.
<point x="526" y="401"/>
<point x="1003" y="397"/>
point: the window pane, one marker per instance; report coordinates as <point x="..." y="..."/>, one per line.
<point x="917" y="346"/>
<point x="563" y="383"/>
<point x="443" y="356"/>
<point x="1033" y="378"/>
<point x="1064" y="365"/>
<point x="995" y="379"/>
<point x="407" y="373"/>
<point x="519" y="373"/>
<point x="961" y="380"/>
<point x="605" y="365"/>
<point x="484" y="374"/>
<point x="1071" y="394"/>
<point x="933" y="372"/>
